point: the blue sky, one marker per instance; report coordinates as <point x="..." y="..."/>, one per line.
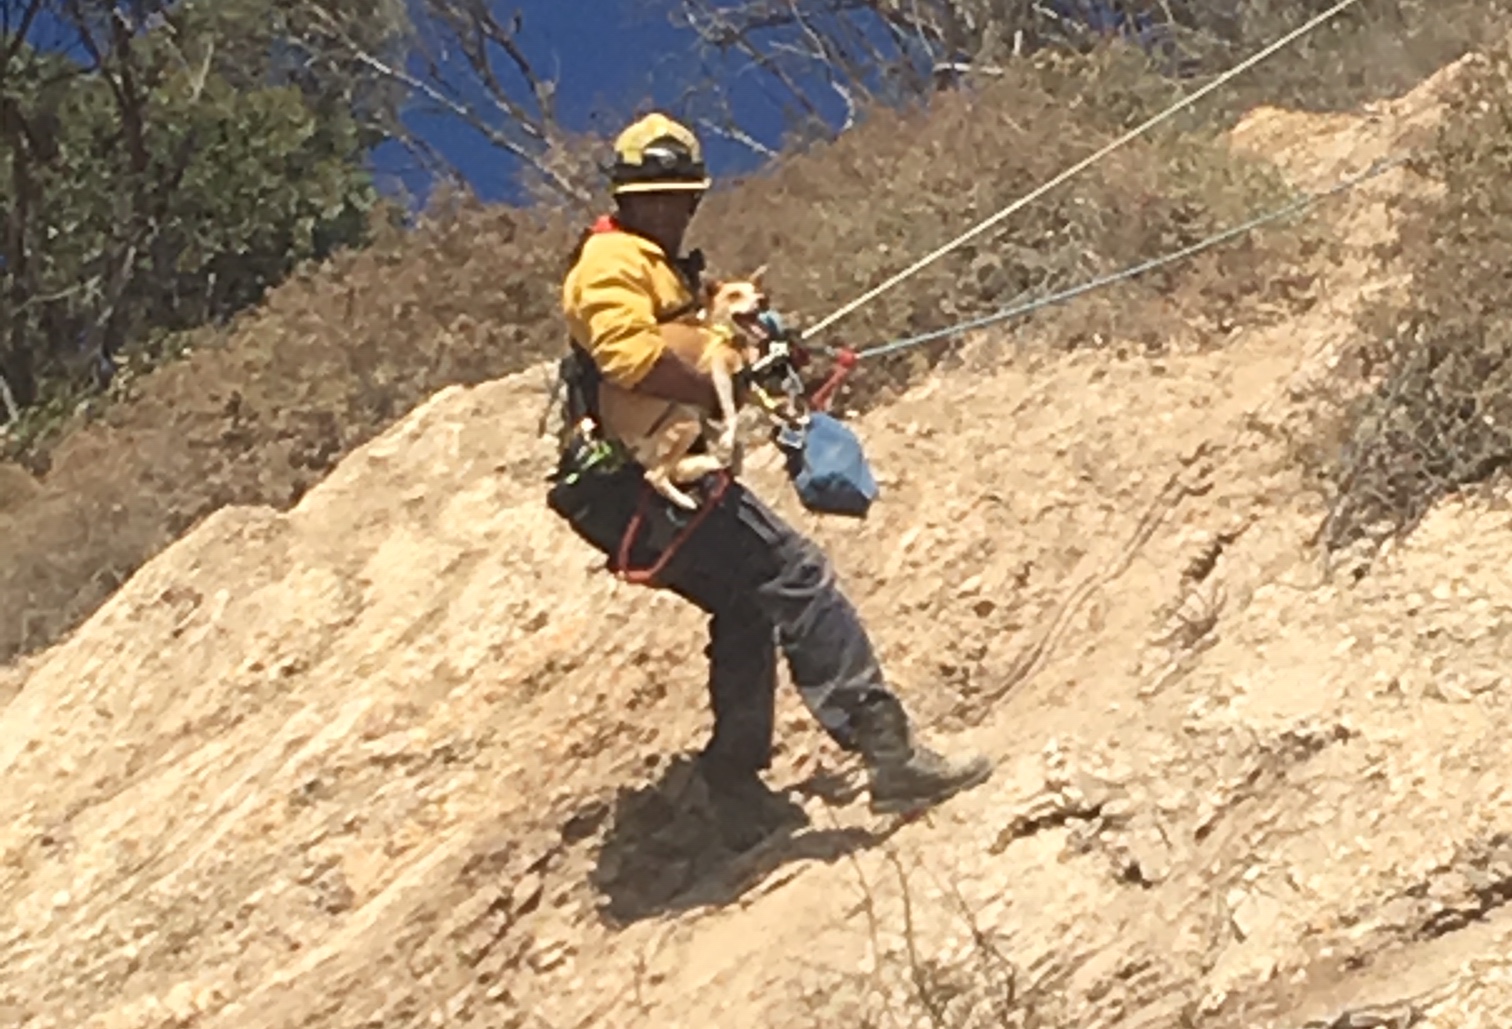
<point x="607" y="56"/>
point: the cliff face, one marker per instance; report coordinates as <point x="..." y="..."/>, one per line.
<point x="403" y="756"/>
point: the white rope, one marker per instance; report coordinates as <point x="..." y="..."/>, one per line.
<point x="1380" y="167"/>
<point x="1139" y="130"/>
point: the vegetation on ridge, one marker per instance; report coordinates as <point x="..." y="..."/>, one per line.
<point x="1441" y="417"/>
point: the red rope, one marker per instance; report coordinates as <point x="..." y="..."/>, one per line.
<point x="647" y="576"/>
<point x="845" y="360"/>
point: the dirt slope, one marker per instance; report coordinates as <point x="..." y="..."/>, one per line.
<point x="399" y="756"/>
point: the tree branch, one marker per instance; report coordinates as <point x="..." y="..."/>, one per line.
<point x="530" y="136"/>
<point x="474" y="120"/>
<point x="718" y="31"/>
<point x="543" y="89"/>
<point x="736" y="134"/>
<point x="8" y="399"/>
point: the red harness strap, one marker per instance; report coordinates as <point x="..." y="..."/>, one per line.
<point x="647" y="576"/>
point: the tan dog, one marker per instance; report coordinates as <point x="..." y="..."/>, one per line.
<point x="659" y="433"/>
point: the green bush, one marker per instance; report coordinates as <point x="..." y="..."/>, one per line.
<point x="164" y="185"/>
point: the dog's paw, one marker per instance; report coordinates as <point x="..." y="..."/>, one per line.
<point x="726" y="444"/>
<point x="664" y="485"/>
<point x="678" y="497"/>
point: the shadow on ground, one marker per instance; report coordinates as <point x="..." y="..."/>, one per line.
<point x="663" y="851"/>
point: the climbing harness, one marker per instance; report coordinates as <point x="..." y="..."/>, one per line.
<point x="586" y="451"/>
<point x="825" y="459"/>
<point x="647" y="576"/>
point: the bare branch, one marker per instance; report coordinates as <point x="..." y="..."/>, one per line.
<point x="851" y="46"/>
<point x="518" y="118"/>
<point x="720" y="31"/>
<point x="8" y="399"/>
<point x="828" y="58"/>
<point x="544" y="90"/>
<point x="473" y="40"/>
<point x="733" y="132"/>
<point x="863" y="48"/>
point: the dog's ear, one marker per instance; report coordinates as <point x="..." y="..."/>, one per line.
<point x="711" y="288"/>
<point x="757" y="276"/>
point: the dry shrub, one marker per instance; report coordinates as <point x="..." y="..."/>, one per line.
<point x="839" y="218"/>
<point x="971" y="982"/>
<point x="258" y="413"/>
<point x="1376" y="49"/>
<point x="1441" y="418"/>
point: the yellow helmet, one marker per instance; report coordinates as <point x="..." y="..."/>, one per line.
<point x="656" y="154"/>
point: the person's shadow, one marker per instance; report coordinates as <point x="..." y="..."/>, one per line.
<point x="663" y="851"/>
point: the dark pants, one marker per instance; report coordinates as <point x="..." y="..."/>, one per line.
<point x="764" y="586"/>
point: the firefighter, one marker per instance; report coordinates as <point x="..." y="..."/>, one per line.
<point x="764" y="586"/>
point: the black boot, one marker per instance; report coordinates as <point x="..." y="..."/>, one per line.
<point x="905" y="775"/>
<point x="746" y="810"/>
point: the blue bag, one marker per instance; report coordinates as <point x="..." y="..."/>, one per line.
<point x="828" y="467"/>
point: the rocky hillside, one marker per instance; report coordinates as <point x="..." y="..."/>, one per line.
<point x="401" y="756"/>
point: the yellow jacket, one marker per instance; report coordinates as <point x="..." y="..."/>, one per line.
<point x="621" y="289"/>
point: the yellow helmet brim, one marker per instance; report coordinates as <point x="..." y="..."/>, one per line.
<point x="673" y="186"/>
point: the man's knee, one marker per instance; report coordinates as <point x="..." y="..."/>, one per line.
<point x="806" y="567"/>
<point x="741" y="634"/>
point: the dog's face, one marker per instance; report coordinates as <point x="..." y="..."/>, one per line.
<point x="739" y="302"/>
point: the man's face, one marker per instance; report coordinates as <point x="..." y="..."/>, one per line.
<point x="663" y="215"/>
<point x="680" y="203"/>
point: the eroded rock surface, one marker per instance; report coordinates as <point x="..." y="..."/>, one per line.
<point x="403" y="757"/>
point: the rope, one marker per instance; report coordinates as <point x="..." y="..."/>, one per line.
<point x="1380" y="167"/>
<point x="1127" y="137"/>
